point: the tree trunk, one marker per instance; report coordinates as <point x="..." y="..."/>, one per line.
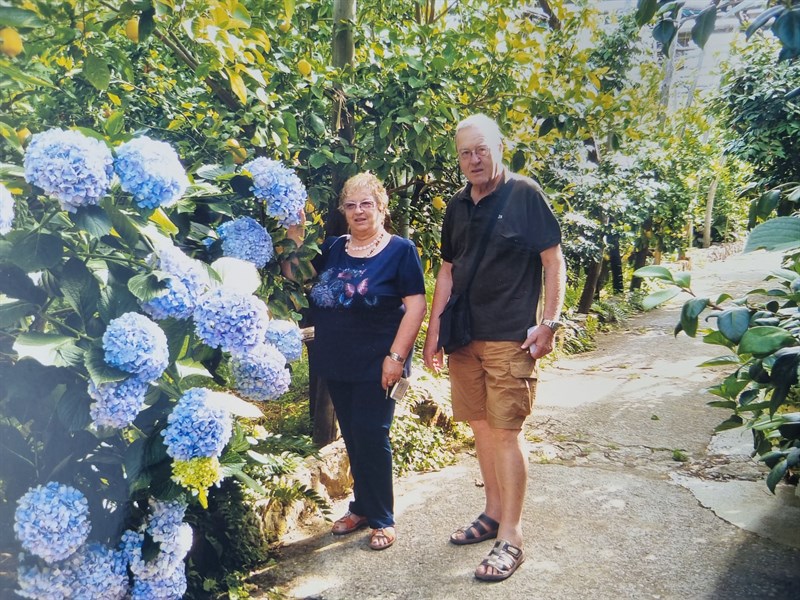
<point x="712" y="193"/>
<point x="615" y="264"/>
<point x="587" y="295"/>
<point x="640" y="256"/>
<point x="343" y="51"/>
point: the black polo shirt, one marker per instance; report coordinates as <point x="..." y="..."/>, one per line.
<point x="505" y="292"/>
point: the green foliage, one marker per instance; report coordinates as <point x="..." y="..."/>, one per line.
<point x="761" y="332"/>
<point x="763" y="125"/>
<point x="417" y="446"/>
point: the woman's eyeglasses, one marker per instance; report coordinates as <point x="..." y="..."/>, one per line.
<point x="365" y="205"/>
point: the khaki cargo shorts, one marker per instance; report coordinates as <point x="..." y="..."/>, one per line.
<point x="495" y="381"/>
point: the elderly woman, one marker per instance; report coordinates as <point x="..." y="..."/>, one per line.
<point x="367" y="305"/>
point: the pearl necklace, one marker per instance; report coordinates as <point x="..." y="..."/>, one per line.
<point x="372" y="246"/>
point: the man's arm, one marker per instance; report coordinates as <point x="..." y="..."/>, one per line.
<point x="555" y="283"/>
<point x="434" y="357"/>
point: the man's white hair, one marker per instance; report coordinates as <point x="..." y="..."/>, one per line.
<point x="484" y="124"/>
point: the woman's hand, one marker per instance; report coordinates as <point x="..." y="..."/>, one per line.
<point x="392" y="372"/>
<point x="297" y="233"/>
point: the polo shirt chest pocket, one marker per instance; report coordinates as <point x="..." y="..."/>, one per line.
<point x="511" y="240"/>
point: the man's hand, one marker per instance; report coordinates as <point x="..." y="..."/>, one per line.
<point x="433" y="357"/>
<point x="540" y="341"/>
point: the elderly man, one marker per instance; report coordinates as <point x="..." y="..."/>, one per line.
<point x="493" y="378"/>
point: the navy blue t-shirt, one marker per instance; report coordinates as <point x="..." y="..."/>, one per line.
<point x="357" y="306"/>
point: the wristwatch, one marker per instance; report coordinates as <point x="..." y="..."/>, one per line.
<point x="554" y="325"/>
<point x="396" y="357"/>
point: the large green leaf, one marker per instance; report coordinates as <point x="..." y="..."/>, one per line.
<point x="122" y="223"/>
<point x="93" y="220"/>
<point x="99" y="370"/>
<point x="116" y="300"/>
<point x="783" y="375"/>
<point x="645" y="9"/>
<point x="763" y="341"/>
<point x="146" y="286"/>
<point x="654" y="272"/>
<point x="664" y="32"/>
<point x="24" y="78"/>
<point x="780" y="233"/>
<point x="96" y="71"/>
<point x="659" y="297"/>
<point x="18" y="17"/>
<point x="11" y="311"/>
<point x="733" y="323"/>
<point x="176" y="331"/>
<point x="787" y="28"/>
<point x="42" y="347"/>
<point x="767" y="203"/>
<point x="690" y="312"/>
<point x="762" y="19"/>
<point x="704" y="25"/>
<point x="37" y="251"/>
<point x="80" y="288"/>
<point x="73" y="408"/>
<point x="776" y="474"/>
<point x="15" y="283"/>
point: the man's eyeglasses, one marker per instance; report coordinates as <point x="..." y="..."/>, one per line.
<point x="481" y="152"/>
<point x="365" y="205"/>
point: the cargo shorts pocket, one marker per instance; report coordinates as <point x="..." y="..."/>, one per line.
<point x="524" y="369"/>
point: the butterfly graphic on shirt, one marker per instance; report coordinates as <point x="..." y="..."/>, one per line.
<point x="355" y="286"/>
<point x="342" y="287"/>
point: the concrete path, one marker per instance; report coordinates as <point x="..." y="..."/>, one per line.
<point x="610" y="514"/>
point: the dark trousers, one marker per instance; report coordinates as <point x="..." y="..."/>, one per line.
<point x="365" y="415"/>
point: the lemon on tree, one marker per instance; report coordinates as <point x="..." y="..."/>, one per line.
<point x="238" y="153"/>
<point x="132" y="29"/>
<point x="438" y="203"/>
<point x="304" y="67"/>
<point x="285" y="25"/>
<point x="23" y="134"/>
<point x="10" y="42"/>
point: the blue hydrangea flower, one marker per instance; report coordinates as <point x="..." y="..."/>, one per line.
<point x="188" y="281"/>
<point x="7" y="211"/>
<point x="165" y="586"/>
<point x="151" y="171"/>
<point x="52" y="521"/>
<point x="38" y="582"/>
<point x="164" y="576"/>
<point x="261" y="374"/>
<point x="96" y="573"/>
<point x="278" y="186"/>
<point x="74" y="169"/>
<point x="116" y="404"/>
<point x="245" y="238"/>
<point x="135" y="344"/>
<point x="195" y="428"/>
<point x="165" y="519"/>
<point x="286" y="337"/>
<point x="231" y="320"/>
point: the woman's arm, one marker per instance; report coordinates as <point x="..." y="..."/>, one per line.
<point x="415" y="309"/>
<point x="296" y="233"/>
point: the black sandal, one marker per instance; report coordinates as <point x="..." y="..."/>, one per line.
<point x="486" y="528"/>
<point x="504" y="558"/>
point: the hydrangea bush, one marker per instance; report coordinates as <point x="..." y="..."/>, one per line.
<point x="278" y="187"/>
<point x="127" y="362"/>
